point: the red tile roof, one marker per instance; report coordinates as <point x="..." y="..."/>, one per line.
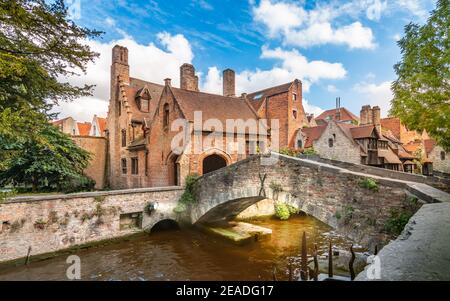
<point x="312" y="134"/>
<point x="212" y="106"/>
<point x="412" y="147"/>
<point x="84" y="128"/>
<point x="346" y="115"/>
<point x="364" y="131"/>
<point x="101" y="124"/>
<point x="257" y="98"/>
<point x="429" y="145"/>
<point x="393" y="124"/>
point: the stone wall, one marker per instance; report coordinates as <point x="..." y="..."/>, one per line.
<point x="56" y="222"/>
<point x="97" y="147"/>
<point x="438" y="163"/>
<point x="439" y="182"/>
<point x="331" y="194"/>
<point x="343" y="149"/>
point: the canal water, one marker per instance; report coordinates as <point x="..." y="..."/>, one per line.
<point x="189" y="254"/>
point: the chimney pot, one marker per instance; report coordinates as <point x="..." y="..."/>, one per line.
<point x="168" y="82"/>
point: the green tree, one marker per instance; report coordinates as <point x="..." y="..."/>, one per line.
<point x="39" y="46"/>
<point x="49" y="160"/>
<point x="421" y="91"/>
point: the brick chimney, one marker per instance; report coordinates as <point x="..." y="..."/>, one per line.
<point x="188" y="79"/>
<point x="365" y="115"/>
<point x="229" y="83"/>
<point x="167" y="82"/>
<point x="376" y="119"/>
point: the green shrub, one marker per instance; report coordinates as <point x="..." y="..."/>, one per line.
<point x="4" y="194"/>
<point x="77" y="184"/>
<point x="282" y="211"/>
<point x="397" y="222"/>
<point x="338" y="215"/>
<point x="369" y="183"/>
<point x="289" y="152"/>
<point x="309" y="151"/>
<point x="188" y="195"/>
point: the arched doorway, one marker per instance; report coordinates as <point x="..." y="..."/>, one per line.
<point x="213" y="162"/>
<point x="173" y="167"/>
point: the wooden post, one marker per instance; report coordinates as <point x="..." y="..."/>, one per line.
<point x="330" y="260"/>
<point x="290" y="270"/>
<point x="304" y="260"/>
<point x="316" y="263"/>
<point x="350" y="264"/>
<point x="376" y="250"/>
<point x="28" y="255"/>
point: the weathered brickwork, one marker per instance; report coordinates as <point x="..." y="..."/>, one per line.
<point x="342" y="149"/>
<point x="97" y="147"/>
<point x="58" y="222"/>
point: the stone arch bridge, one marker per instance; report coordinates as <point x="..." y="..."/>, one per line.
<point x="331" y="194"/>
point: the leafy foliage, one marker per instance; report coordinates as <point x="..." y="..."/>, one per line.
<point x="289" y="152"/>
<point x="39" y="46"/>
<point x="309" y="151"/>
<point x="397" y="221"/>
<point x="422" y="89"/>
<point x="47" y="160"/>
<point x="188" y="195"/>
<point x="369" y="183"/>
<point x="282" y="211"/>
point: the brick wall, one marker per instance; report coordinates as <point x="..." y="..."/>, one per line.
<point x="97" y="147"/>
<point x="53" y="223"/>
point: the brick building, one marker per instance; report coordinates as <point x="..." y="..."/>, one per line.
<point x="145" y="118"/>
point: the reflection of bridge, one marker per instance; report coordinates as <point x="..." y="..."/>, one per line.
<point x="318" y="189"/>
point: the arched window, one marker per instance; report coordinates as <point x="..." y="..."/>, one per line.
<point x="330" y="142"/>
<point x="294" y="113"/>
<point x="299" y="143"/>
<point x="442" y="155"/>
<point x="166" y="115"/>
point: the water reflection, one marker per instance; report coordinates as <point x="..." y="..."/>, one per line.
<point x="190" y="255"/>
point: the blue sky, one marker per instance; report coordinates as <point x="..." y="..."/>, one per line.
<point x="337" y="48"/>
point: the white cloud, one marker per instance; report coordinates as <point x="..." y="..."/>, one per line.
<point x="148" y="62"/>
<point x="332" y="89"/>
<point x="376" y="95"/>
<point x="305" y="28"/>
<point x="415" y="7"/>
<point x="375" y="9"/>
<point x="311" y="109"/>
<point x="292" y="65"/>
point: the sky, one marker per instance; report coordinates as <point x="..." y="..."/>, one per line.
<point x="343" y="49"/>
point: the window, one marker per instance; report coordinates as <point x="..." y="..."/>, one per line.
<point x="134" y="166"/>
<point x="124" y="166"/>
<point x="124" y="138"/>
<point x="294" y="113"/>
<point x="166" y="116"/>
<point x="299" y="143"/>
<point x="334" y="137"/>
<point x="330" y="142"/>
<point x="95" y="131"/>
<point x="73" y="131"/>
<point x="442" y="155"/>
<point x="294" y="96"/>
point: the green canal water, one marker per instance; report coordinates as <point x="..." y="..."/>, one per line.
<point x="189" y="254"/>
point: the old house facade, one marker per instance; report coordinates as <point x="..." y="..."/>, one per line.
<point x="158" y="134"/>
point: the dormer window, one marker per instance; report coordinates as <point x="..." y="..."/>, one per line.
<point x="143" y="100"/>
